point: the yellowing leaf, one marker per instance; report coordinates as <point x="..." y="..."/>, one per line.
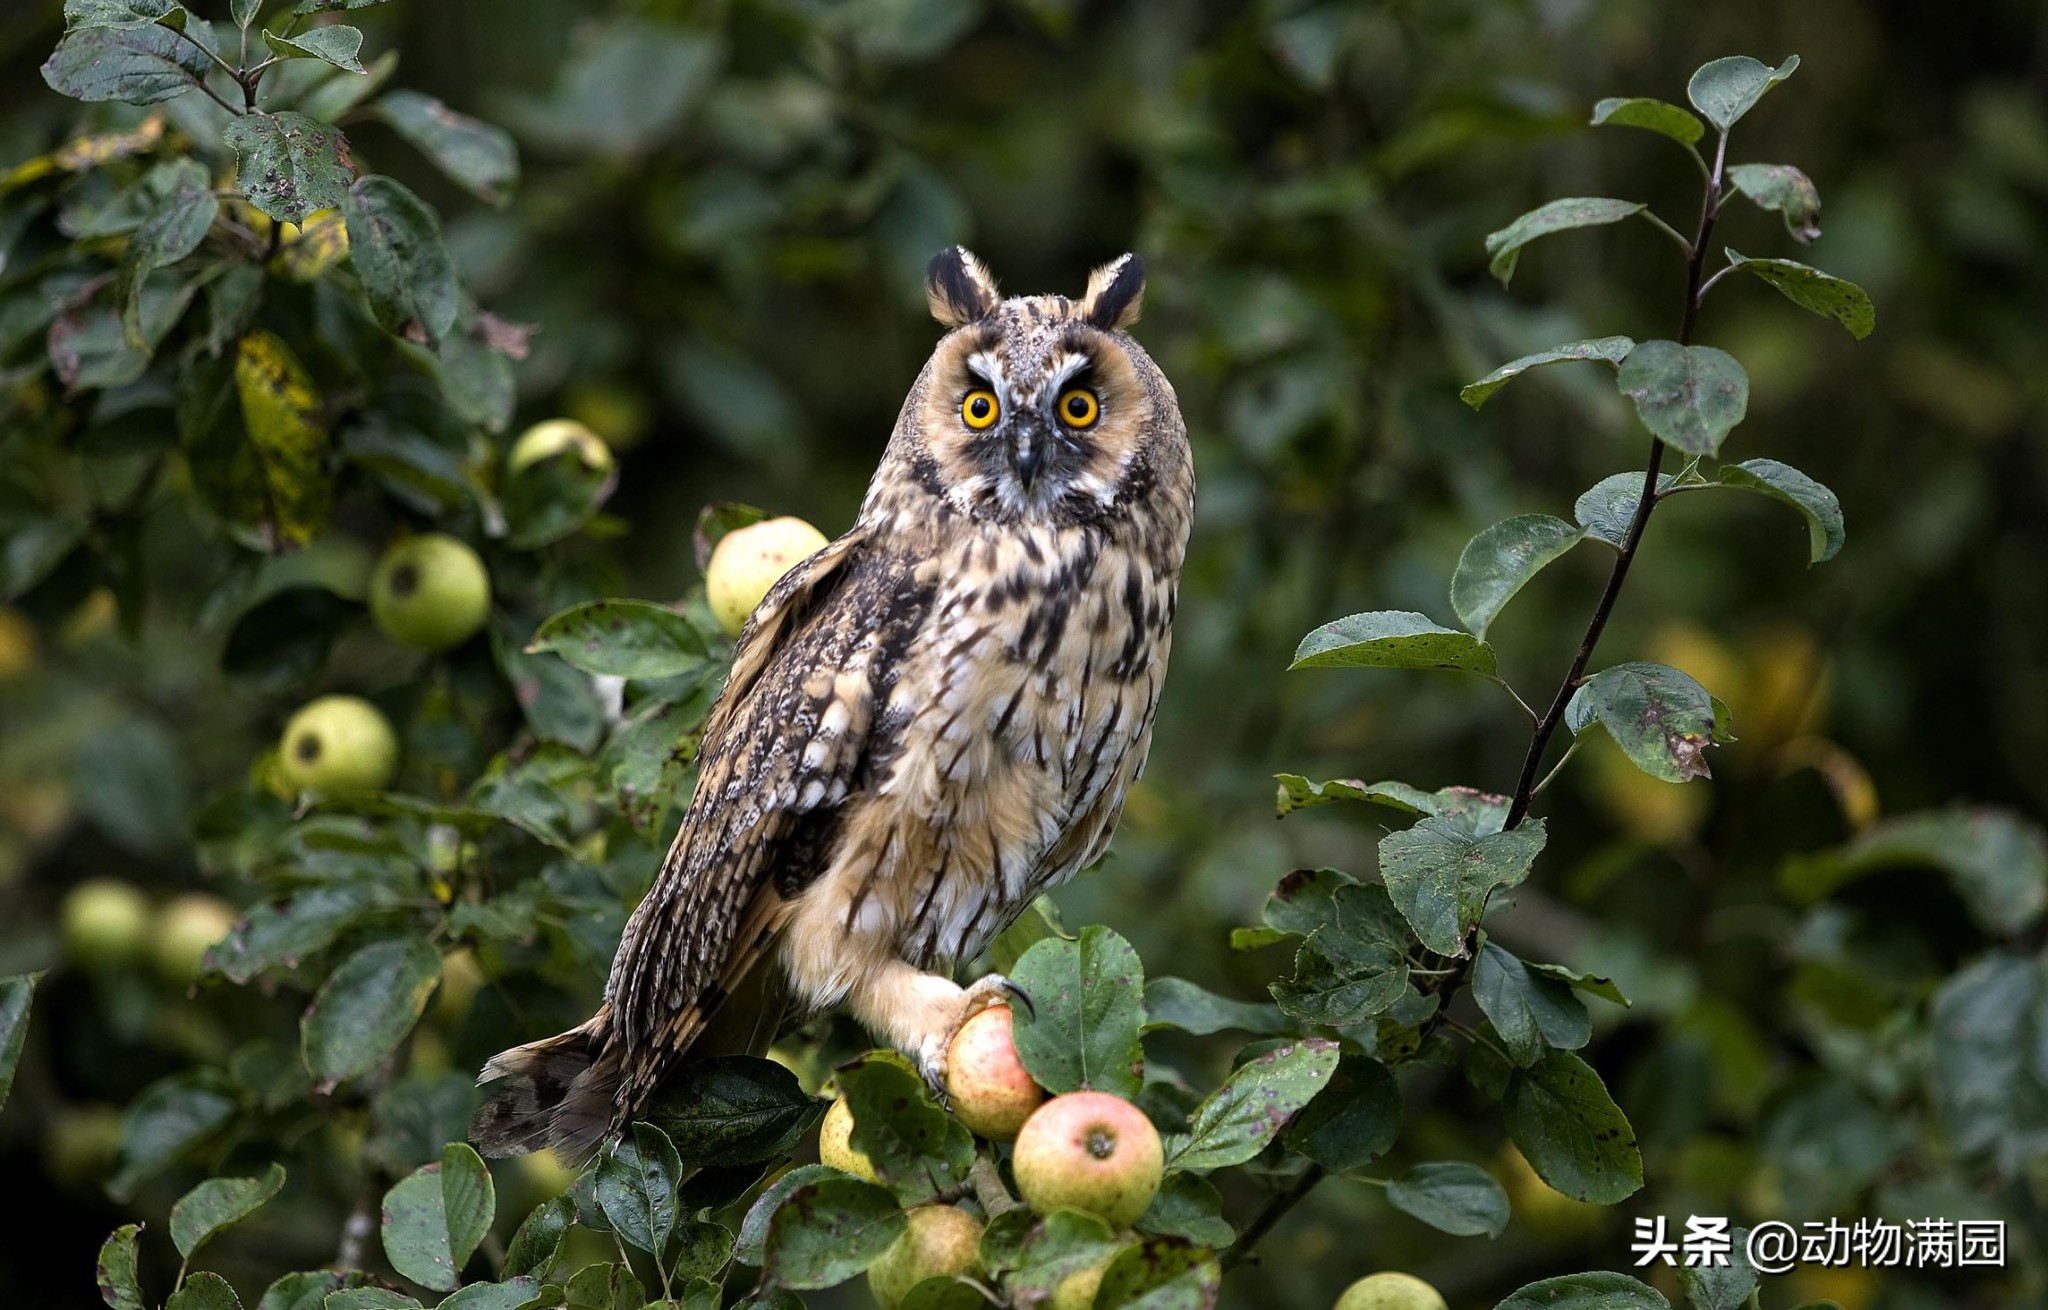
<point x="281" y="413"/>
<point x="305" y="252"/>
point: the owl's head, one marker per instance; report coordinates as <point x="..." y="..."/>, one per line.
<point x="1039" y="407"/>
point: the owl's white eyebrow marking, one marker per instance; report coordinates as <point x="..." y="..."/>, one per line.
<point x="1065" y="367"/>
<point x="990" y="368"/>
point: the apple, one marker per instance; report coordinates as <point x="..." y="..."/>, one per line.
<point x="1092" y="1151"/>
<point x="990" y="1090"/>
<point x="938" y="1241"/>
<point x="104" y="921"/>
<point x="338" y="743"/>
<point x="1391" y="1291"/>
<point x="749" y="561"/>
<point x="835" y="1145"/>
<point x="430" y="592"/>
<point x="185" y="928"/>
<point x="1077" y="1290"/>
<point x="550" y="438"/>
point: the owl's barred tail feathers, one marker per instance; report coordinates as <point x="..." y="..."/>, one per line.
<point x="557" y="1092"/>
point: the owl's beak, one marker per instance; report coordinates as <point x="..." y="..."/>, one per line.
<point x="1027" y="453"/>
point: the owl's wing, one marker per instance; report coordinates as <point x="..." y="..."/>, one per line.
<point x="781" y="750"/>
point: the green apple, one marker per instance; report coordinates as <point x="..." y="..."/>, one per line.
<point x="543" y="440"/>
<point x="104" y="921"/>
<point x="1391" y="1291"/>
<point x="1077" y="1290"/>
<point x="1092" y="1151"/>
<point x="989" y="1088"/>
<point x="185" y="928"/>
<point x="749" y="561"/>
<point x="430" y="592"/>
<point x="835" y="1144"/>
<point x="338" y="743"/>
<point x="938" y="1241"/>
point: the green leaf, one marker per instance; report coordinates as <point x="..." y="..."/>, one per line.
<point x="1561" y="1118"/>
<point x="538" y="1242"/>
<point x="80" y="14"/>
<point x="478" y="156"/>
<point x="1188" y="1207"/>
<point x="468" y="1200"/>
<point x="1721" y="1286"/>
<point x="169" y="1118"/>
<point x="15" y="993"/>
<point x="1608" y="507"/>
<point x="220" y="1203"/>
<point x="623" y="639"/>
<point x="119" y="1286"/>
<point x="435" y="1217"/>
<point x="1238" y="1119"/>
<point x="1988" y="1060"/>
<point x="1352" y="966"/>
<point x="559" y="702"/>
<point x="332" y="6"/>
<point x="636" y="1186"/>
<point x="1657" y="116"/>
<point x="1662" y="719"/>
<point x="1825" y="531"/>
<point x="1500" y="561"/>
<point x="1067" y="1242"/>
<point x="1087" y="1011"/>
<point x="828" y="1231"/>
<point x="173" y="232"/>
<point x="1178" y="1003"/>
<point x="1505" y="246"/>
<point x="1784" y="190"/>
<point x="1160" y="1273"/>
<point x="553" y="498"/>
<point x="1439" y="874"/>
<point x="1997" y="861"/>
<point x="370" y="1298"/>
<point x="141" y="65"/>
<point x="1726" y="89"/>
<point x="1305" y="900"/>
<point x="734" y="1109"/>
<point x="282" y="935"/>
<point x="243" y="12"/>
<point x="1690" y="397"/>
<point x="1608" y="350"/>
<point x="394" y="241"/>
<point x="290" y="165"/>
<point x="1392" y="639"/>
<point x="753" y="1236"/>
<point x="509" y="1295"/>
<point x="301" y="1291"/>
<point x="335" y="44"/>
<point x="1486" y="810"/>
<point x="916" y="1147"/>
<point x="1530" y="1011"/>
<point x="1814" y="291"/>
<point x="1452" y="1197"/>
<point x="366" y="1007"/>
<point x="283" y="419"/>
<point x="1353" y="1121"/>
<point x="204" y="1290"/>
<point x="1591" y="984"/>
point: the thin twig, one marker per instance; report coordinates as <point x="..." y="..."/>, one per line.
<point x="1275" y="1210"/>
<point x="988" y="1187"/>
<point x="1650" y="217"/>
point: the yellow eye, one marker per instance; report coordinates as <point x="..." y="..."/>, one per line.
<point x="1079" y="408"/>
<point x="978" y="411"/>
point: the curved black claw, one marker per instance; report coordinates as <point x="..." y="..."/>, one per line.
<point x="1021" y="997"/>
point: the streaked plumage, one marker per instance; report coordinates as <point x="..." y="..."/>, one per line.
<point x="928" y="723"/>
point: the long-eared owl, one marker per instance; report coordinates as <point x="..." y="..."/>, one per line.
<point x="928" y="722"/>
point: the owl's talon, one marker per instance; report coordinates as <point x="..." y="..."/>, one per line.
<point x="987" y="993"/>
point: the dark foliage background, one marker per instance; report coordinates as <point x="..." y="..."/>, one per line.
<point x="724" y="213"/>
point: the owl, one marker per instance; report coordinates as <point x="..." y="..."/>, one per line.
<point x="928" y="723"/>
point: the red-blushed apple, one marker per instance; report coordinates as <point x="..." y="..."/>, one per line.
<point x="990" y="1091"/>
<point x="1091" y="1151"/>
<point x="1391" y="1291"/>
<point x="938" y="1241"/>
<point x="835" y="1144"/>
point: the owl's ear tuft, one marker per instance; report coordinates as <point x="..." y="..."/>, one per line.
<point x="958" y="288"/>
<point x="1116" y="293"/>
